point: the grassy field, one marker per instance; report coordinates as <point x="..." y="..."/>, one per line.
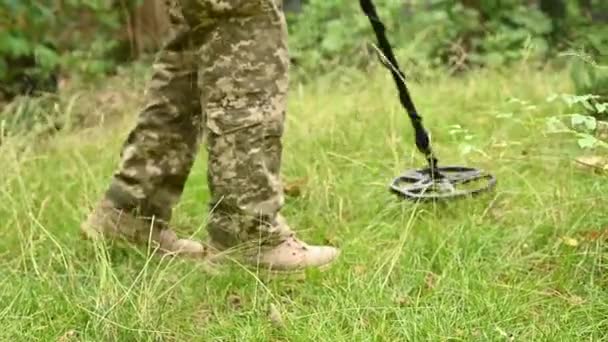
<point x="527" y="262"/>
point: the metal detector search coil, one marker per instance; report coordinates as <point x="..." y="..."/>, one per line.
<point x="434" y="182"/>
<point x="454" y="181"/>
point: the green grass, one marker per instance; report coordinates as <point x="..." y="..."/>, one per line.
<point x="492" y="268"/>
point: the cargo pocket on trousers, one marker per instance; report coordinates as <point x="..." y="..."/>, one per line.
<point x="222" y="121"/>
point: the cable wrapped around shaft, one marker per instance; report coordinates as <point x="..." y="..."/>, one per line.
<point x="422" y="138"/>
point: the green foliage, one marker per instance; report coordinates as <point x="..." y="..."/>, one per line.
<point x="39" y="38"/>
<point x="493" y="33"/>
<point x="590" y="54"/>
<point x="458" y="34"/>
<point x="329" y="34"/>
<point x="590" y="78"/>
<point x="24" y="50"/>
<point x="43" y="41"/>
<point x="582" y="126"/>
<point x="35" y="116"/>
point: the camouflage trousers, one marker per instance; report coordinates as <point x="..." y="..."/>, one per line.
<point x="221" y="75"/>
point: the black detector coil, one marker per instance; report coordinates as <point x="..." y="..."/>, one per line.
<point x="454" y="181"/>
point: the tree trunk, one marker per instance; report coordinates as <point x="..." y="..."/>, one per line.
<point x="147" y="26"/>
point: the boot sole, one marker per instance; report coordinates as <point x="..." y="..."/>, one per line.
<point x="302" y="271"/>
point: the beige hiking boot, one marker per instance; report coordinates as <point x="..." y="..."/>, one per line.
<point x="292" y="255"/>
<point x="108" y="222"/>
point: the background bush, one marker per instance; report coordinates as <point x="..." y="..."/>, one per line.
<point x="457" y="35"/>
<point x="40" y="40"/>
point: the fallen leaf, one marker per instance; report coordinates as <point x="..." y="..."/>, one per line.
<point x="330" y="239"/>
<point x="570" y="298"/>
<point x="601" y="131"/>
<point x="203" y="314"/>
<point x="569" y="241"/>
<point x="63" y="82"/>
<point x="594" y="162"/>
<point x="70" y="335"/>
<point x="402" y="300"/>
<point x="595" y="235"/>
<point x="430" y="280"/>
<point x="500" y="144"/>
<point x="235" y="302"/>
<point x="294" y="188"/>
<point x="576" y="300"/>
<point x="360" y="269"/>
<point x="274" y="315"/>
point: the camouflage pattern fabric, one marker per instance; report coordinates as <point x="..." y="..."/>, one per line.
<point x="222" y="75"/>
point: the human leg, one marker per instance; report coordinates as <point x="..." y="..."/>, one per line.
<point x="158" y="154"/>
<point x="244" y="79"/>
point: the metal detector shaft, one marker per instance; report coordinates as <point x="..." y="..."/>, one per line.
<point x="421" y="136"/>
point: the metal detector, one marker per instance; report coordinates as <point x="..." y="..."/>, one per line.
<point x="433" y="182"/>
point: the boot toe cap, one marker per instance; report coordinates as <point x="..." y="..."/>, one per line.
<point x="324" y="255"/>
<point x="190" y="247"/>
